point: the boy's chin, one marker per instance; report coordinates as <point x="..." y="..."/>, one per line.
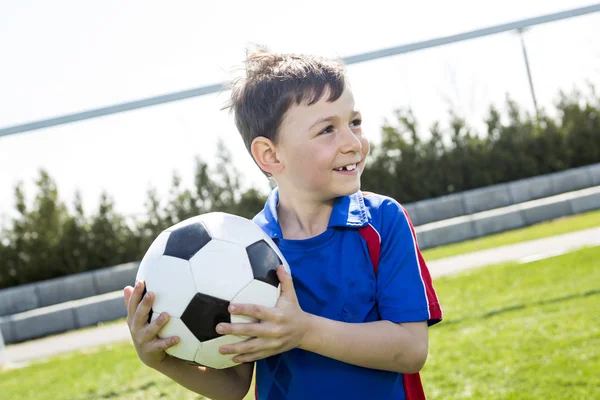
<point x="348" y="190"/>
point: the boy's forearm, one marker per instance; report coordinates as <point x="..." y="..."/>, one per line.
<point x="378" y="345"/>
<point x="216" y="384"/>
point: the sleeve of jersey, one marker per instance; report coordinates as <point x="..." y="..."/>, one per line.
<point x="405" y="292"/>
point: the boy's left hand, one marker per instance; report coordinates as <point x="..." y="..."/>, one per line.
<point x="280" y="328"/>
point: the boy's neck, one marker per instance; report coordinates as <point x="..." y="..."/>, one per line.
<point x="302" y="218"/>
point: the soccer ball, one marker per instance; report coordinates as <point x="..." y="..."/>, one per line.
<point x="199" y="266"/>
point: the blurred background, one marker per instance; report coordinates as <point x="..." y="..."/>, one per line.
<point x="445" y="121"/>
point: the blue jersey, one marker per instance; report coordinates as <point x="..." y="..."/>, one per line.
<point x="334" y="278"/>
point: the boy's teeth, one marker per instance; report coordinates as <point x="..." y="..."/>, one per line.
<point x="351" y="167"/>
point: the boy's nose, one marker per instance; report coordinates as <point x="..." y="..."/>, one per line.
<point x="351" y="142"/>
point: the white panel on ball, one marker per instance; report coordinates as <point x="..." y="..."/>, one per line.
<point x="233" y="228"/>
<point x="208" y="352"/>
<point x="172" y="283"/>
<point x="257" y="292"/>
<point x="188" y="344"/>
<point x="221" y="269"/>
<point x="154" y="252"/>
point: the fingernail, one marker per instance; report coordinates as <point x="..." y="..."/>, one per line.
<point x="220" y="328"/>
<point x="224" y="350"/>
<point x="137" y="284"/>
<point x="174" y="341"/>
<point x="232" y="308"/>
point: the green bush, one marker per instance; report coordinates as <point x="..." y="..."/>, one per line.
<point x="409" y="168"/>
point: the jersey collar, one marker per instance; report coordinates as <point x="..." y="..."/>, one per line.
<point x="348" y="211"/>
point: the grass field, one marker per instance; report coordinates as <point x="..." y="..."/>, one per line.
<point x="510" y="332"/>
<point x="538" y="231"/>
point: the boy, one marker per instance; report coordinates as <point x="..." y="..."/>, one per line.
<point x="350" y="323"/>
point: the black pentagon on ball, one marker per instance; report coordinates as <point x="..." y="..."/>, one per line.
<point x="264" y="262"/>
<point x="202" y="315"/>
<point x="186" y="241"/>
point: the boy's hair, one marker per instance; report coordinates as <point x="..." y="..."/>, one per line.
<point x="273" y="82"/>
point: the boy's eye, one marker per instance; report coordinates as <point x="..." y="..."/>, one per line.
<point x="329" y="129"/>
<point x="357" y="122"/>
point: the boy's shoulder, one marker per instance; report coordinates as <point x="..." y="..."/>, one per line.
<point x="382" y="208"/>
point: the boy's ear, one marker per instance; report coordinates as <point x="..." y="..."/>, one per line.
<point x="265" y="154"/>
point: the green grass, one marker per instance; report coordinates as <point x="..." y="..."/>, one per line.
<point x="519" y="331"/>
<point x="538" y="231"/>
<point x="510" y="332"/>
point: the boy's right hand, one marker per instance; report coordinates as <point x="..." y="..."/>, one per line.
<point x="150" y="348"/>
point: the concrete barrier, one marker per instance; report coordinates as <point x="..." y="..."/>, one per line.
<point x="490" y="222"/>
<point x="570" y="180"/>
<point x="18" y="299"/>
<point x="594" y="171"/>
<point x="7" y="329"/>
<point x="544" y="210"/>
<point x="515" y="216"/>
<point x="436" y="233"/>
<point x="43" y="321"/>
<point x="531" y="189"/>
<point x="487" y="198"/>
<point x="411" y="209"/>
<point x="63" y="317"/>
<point x="108" y="280"/>
<point x="102" y="308"/>
<point x="70" y="287"/>
<point x="440" y="208"/>
<point x="586" y="202"/>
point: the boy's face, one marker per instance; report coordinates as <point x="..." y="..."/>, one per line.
<point x="322" y="148"/>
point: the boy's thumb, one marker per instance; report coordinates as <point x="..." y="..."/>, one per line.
<point x="287" y="283"/>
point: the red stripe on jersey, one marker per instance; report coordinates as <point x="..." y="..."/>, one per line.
<point x="435" y="311"/>
<point x="413" y="389"/>
<point x="371" y="236"/>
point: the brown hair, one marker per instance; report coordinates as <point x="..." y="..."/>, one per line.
<point x="275" y="81"/>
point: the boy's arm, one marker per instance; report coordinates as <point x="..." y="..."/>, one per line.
<point x="216" y="384"/>
<point x="378" y="345"/>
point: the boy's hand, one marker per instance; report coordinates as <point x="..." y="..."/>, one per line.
<point x="279" y="329"/>
<point x="150" y="349"/>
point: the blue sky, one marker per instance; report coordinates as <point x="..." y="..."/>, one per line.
<point x="66" y="56"/>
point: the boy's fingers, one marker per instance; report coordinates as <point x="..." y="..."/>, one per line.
<point x="143" y="310"/>
<point x="155" y="326"/>
<point x="127" y="295"/>
<point x="163" y="344"/>
<point x="244" y="329"/>
<point x="134" y="299"/>
<point x="250" y="310"/>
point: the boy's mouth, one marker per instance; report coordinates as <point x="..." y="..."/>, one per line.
<point x="349" y="167"/>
